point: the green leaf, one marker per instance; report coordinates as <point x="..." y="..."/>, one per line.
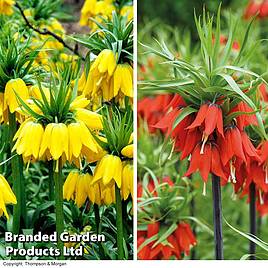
<point x="183" y="114"/>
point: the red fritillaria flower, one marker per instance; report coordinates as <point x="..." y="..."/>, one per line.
<point x="179" y="133"/>
<point x="209" y="116"/>
<point x="264" y="92"/>
<point x="152" y="109"/>
<point x="208" y="162"/>
<point x="262" y="204"/>
<point x="244" y="119"/>
<point x="185" y="237"/>
<point x="264" y="9"/>
<point x="252" y="8"/>
<point x="180" y="241"/>
<point x="264" y="160"/>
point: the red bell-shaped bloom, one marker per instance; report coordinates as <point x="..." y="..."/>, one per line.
<point x="264" y="9"/>
<point x="264" y="92"/>
<point x="208" y="162"/>
<point x="185" y="237"/>
<point x="244" y="119"/>
<point x="192" y="138"/>
<point x="252" y="9"/>
<point x="231" y="145"/>
<point x="262" y="204"/>
<point x="144" y="252"/>
<point x="211" y="116"/>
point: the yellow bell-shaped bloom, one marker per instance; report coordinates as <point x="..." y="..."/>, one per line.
<point x="55" y="141"/>
<point x="95" y="9"/>
<point x="6" y="196"/>
<point x="127" y="11"/>
<point x="3" y="108"/>
<point x="87" y="11"/>
<point x="14" y="88"/>
<point x="101" y="71"/>
<point x="29" y="137"/>
<point x="79" y="102"/>
<point x="127" y="151"/>
<point x="127" y="181"/>
<point x="104" y="64"/>
<point x="123" y="80"/>
<point x="70" y="185"/>
<point x="108" y="195"/>
<point x="109" y="170"/>
<point x="78" y="187"/>
<point x="91" y="119"/>
<point x="6" y="7"/>
<point x="34" y="92"/>
<point x="79" y="137"/>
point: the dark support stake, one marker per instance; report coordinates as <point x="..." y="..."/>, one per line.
<point x="217" y="217"/>
<point x="252" y="219"/>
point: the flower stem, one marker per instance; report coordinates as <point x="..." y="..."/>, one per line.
<point x="59" y="206"/>
<point x="51" y="180"/>
<point x="119" y="224"/>
<point x="217" y="217"/>
<point x="18" y="179"/>
<point x="98" y="228"/>
<point x="252" y="219"/>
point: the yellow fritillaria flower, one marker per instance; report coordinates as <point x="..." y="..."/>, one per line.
<point x="123" y="80"/>
<point x="108" y="195"/>
<point x="78" y="187"/>
<point x="127" y="11"/>
<point x="26" y="145"/>
<point x="80" y="137"/>
<point x="6" y="7"/>
<point x="55" y="141"/>
<point x="100" y="74"/>
<point x="6" y="196"/>
<point x="127" y="151"/>
<point x="13" y="88"/>
<point x="127" y="181"/>
<point x="91" y="119"/>
<point x="3" y="108"/>
<point x="54" y="26"/>
<point x="109" y="170"/>
<point x="94" y="9"/>
<point x="87" y="11"/>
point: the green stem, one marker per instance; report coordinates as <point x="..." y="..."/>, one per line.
<point x="98" y="228"/>
<point x="119" y="224"/>
<point x="18" y="179"/>
<point x="51" y="180"/>
<point x="59" y="206"/>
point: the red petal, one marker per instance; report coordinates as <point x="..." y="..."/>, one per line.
<point x="216" y="165"/>
<point x="237" y="143"/>
<point x="153" y="229"/>
<point x="195" y="160"/>
<point x="205" y="162"/>
<point x="200" y="117"/>
<point x="193" y="136"/>
<point x="211" y="119"/>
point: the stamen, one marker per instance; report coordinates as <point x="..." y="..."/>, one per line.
<point x="232" y="170"/>
<point x="204" y="139"/>
<point x="266" y="175"/>
<point x="204" y="192"/>
<point x="234" y="195"/>
<point x="57" y="166"/>
<point x="80" y="163"/>
<point x="27" y="167"/>
<point x="260" y="197"/>
<point x="172" y="150"/>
